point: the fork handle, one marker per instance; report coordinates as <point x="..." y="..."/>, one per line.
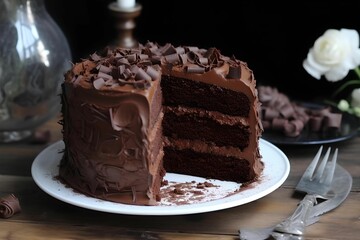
<point x="296" y="223"/>
<point x="285" y="230"/>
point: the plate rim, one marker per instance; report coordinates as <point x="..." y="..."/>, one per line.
<point x="60" y="191"/>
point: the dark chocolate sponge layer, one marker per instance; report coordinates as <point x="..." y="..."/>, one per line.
<point x="201" y="95"/>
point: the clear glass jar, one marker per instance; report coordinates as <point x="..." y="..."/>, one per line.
<point x="34" y="55"/>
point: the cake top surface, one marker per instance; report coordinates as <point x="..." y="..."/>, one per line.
<point x="135" y="69"/>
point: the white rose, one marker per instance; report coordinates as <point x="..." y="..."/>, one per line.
<point x="333" y="54"/>
<point x="355" y="98"/>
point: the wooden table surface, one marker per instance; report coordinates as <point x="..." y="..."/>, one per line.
<point x="44" y="217"/>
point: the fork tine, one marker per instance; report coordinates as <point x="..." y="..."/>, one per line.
<point x="320" y="169"/>
<point x="312" y="166"/>
<point x="330" y="172"/>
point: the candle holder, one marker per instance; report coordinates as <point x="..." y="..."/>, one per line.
<point x="125" y="24"/>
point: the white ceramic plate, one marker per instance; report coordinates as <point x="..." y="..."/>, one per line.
<point x="225" y="195"/>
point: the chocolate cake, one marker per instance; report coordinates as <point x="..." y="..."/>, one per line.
<point x="131" y="115"/>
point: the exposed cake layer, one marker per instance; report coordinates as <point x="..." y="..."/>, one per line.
<point x="208" y="126"/>
<point x="222" y="85"/>
<point x="195" y="157"/>
<point x="183" y="92"/>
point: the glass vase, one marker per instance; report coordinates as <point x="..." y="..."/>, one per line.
<point x="34" y="55"/>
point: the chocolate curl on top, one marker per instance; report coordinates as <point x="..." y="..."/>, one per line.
<point x="134" y="69"/>
<point x="104" y="76"/>
<point x="144" y="62"/>
<point x="137" y="51"/>
<point x="123" y="61"/>
<point x="118" y="55"/>
<point x="99" y="83"/>
<point x="154" y="50"/>
<point x="234" y="72"/>
<point x="117" y="72"/>
<point x="132" y="58"/>
<point x="180" y="50"/>
<point x="155" y="59"/>
<point x="9" y="205"/>
<point x="167" y="49"/>
<point x="95" y="57"/>
<point x="173" y="58"/>
<point x="202" y="61"/>
<point x="194" y="69"/>
<point x="143" y="56"/>
<point x="153" y="73"/>
<point x="127" y="74"/>
<point x="142" y="75"/>
<point x="194" y="57"/>
<point x="213" y="55"/>
<point x="209" y="53"/>
<point x="77" y="80"/>
<point x="183" y="58"/>
<point x="191" y="49"/>
<point x="103" y="69"/>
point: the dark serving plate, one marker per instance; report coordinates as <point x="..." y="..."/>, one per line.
<point x="349" y="129"/>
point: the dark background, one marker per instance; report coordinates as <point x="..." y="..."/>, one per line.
<point x="272" y="38"/>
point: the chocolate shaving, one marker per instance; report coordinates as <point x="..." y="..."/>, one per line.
<point x="121" y="66"/>
<point x="180" y="50"/>
<point x="123" y="61"/>
<point x="203" y="61"/>
<point x="76" y="81"/>
<point x="192" y="49"/>
<point x="99" y="83"/>
<point x="143" y="56"/>
<point x="173" y="58"/>
<point x="234" y="72"/>
<point x="9" y="205"/>
<point x="95" y="57"/>
<point x="104" y="76"/>
<point x="153" y="73"/>
<point x="131" y="58"/>
<point x="167" y="49"/>
<point x="183" y="58"/>
<point x="195" y="69"/>
<point x="279" y="113"/>
<point x="103" y="69"/>
<point x="142" y="75"/>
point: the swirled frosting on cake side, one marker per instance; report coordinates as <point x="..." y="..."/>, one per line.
<point x="111" y="122"/>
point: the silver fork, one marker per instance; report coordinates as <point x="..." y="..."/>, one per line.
<point x="316" y="182"/>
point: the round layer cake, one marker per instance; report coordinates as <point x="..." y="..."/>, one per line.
<point x="131" y="115"/>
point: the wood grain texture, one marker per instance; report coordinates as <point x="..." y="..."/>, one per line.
<point x="44" y="217"/>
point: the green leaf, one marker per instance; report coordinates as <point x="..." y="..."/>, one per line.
<point x="345" y="85"/>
